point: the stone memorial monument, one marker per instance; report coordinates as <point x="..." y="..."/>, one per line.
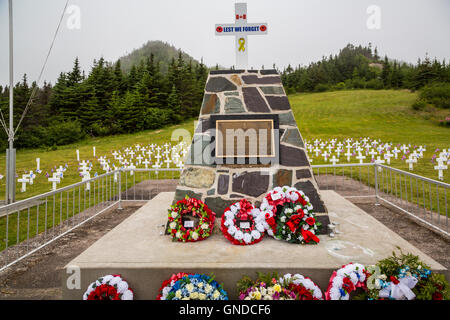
<point x="246" y="143"/>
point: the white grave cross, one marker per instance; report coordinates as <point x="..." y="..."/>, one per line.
<point x="241" y="29"/>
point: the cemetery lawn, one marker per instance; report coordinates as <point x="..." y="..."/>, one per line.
<point x="378" y="114"/>
<point x="26" y="159"/>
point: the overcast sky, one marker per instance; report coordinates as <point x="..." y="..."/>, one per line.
<point x="300" y="31"/>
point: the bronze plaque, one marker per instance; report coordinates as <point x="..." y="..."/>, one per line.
<point x="245" y="138"/>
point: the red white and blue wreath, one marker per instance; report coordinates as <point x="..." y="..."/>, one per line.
<point x="242" y="224"/>
<point x="109" y="287"/>
<point x="346" y="280"/>
<point x="289" y="216"/>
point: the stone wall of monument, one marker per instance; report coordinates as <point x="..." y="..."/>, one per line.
<point x="236" y="92"/>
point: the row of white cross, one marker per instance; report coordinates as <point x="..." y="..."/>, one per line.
<point x="373" y="149"/>
<point x="127" y="158"/>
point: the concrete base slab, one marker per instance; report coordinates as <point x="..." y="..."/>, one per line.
<point x="138" y="250"/>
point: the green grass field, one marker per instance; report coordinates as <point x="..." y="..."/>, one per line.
<point x="383" y="114"/>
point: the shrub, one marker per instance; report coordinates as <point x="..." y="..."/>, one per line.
<point x="419" y="104"/>
<point x="339" y="86"/>
<point x="321" y="87"/>
<point x="65" y="132"/>
<point x="98" y="130"/>
<point x="374" y="84"/>
<point x="437" y="93"/>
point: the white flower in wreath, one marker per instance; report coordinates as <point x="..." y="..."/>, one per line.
<point x="174" y="214"/>
<point x="205" y="226"/>
<point x="107" y="278"/>
<point x="127" y="295"/>
<point x="239" y="235"/>
<point x="232" y="230"/>
<point x="172" y="225"/>
<point x="115" y="280"/>
<point x="247" y="238"/>
<point x="256" y="234"/>
<point x="335" y="293"/>
<point x="122" y="286"/>
<point x="283" y="219"/>
<point x="297" y="207"/>
<point x="228" y="222"/>
<point x="194" y="235"/>
<point x="229" y="215"/>
<point x="189" y="287"/>
<point x="260" y="227"/>
<point x="178" y="234"/>
<point x="300" y="238"/>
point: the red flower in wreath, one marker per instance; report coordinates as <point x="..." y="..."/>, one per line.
<point x="348" y="285"/>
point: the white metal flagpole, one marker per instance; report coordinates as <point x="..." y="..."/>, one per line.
<point x="10" y="170"/>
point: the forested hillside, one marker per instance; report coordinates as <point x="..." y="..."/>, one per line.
<point x="106" y="101"/>
<point x="358" y="67"/>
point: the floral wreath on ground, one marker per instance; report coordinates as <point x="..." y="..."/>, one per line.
<point x="404" y="276"/>
<point x="195" y="208"/>
<point x="303" y="287"/>
<point x="346" y="280"/>
<point x="251" y="223"/>
<point x="266" y="287"/>
<point x="168" y="284"/>
<point x="288" y="216"/>
<point x="196" y="287"/>
<point x="109" y="287"/>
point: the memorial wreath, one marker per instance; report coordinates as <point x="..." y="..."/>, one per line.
<point x="196" y="287"/>
<point x="168" y="284"/>
<point x="346" y="280"/>
<point x="109" y="287"/>
<point x="242" y="223"/>
<point x="186" y="231"/>
<point x="405" y="277"/>
<point x="303" y="287"/>
<point x="288" y="216"/>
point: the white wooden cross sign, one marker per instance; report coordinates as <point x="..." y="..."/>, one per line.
<point x="388" y="155"/>
<point x="334" y="160"/>
<point x="241" y="29"/>
<point x="38" y="165"/>
<point x="54" y="180"/>
<point x="146" y="163"/>
<point x="317" y="150"/>
<point x="87" y="177"/>
<point x="379" y="161"/>
<point x="24" y="182"/>
<point x="440" y="167"/>
<point x="360" y="157"/>
<point x="348" y="155"/>
<point x="411" y="161"/>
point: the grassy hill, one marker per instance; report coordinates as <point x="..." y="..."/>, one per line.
<point x="381" y="114"/>
<point x="163" y="53"/>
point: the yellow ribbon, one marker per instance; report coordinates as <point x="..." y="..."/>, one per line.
<point x="241" y="44"/>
